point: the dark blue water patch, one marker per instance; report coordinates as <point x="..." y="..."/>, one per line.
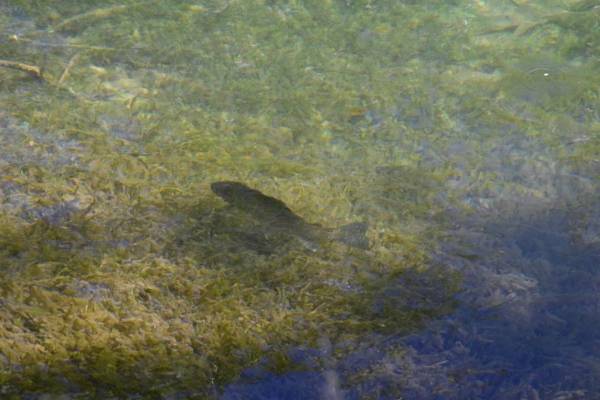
<point x="291" y="386"/>
<point x="529" y="324"/>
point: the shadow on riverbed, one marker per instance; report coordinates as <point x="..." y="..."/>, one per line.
<point x="529" y="325"/>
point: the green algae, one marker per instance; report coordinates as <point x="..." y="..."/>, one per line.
<point x="343" y="110"/>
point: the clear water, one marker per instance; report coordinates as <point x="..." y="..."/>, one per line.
<point x="465" y="134"/>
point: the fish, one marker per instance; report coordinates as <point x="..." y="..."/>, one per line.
<point x="278" y="218"/>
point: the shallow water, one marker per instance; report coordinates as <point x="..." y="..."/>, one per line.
<point x="464" y="134"/>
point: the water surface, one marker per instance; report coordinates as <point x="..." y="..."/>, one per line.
<point x="464" y="134"/>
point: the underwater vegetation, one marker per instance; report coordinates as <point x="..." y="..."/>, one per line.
<point x="123" y="274"/>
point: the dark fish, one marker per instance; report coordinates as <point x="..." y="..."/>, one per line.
<point x="277" y="217"/>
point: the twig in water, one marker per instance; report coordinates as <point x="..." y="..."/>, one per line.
<point x="94" y="14"/>
<point x="98" y="13"/>
<point x="32" y="70"/>
<point x="70" y="65"/>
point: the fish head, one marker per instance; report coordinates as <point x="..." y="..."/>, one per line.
<point x="225" y="189"/>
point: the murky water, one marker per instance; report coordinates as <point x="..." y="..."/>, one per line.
<point x="464" y="135"/>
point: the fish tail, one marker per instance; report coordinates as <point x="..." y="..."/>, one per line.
<point x="354" y="235"/>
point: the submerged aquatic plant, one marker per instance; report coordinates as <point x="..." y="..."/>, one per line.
<point x="122" y="274"/>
